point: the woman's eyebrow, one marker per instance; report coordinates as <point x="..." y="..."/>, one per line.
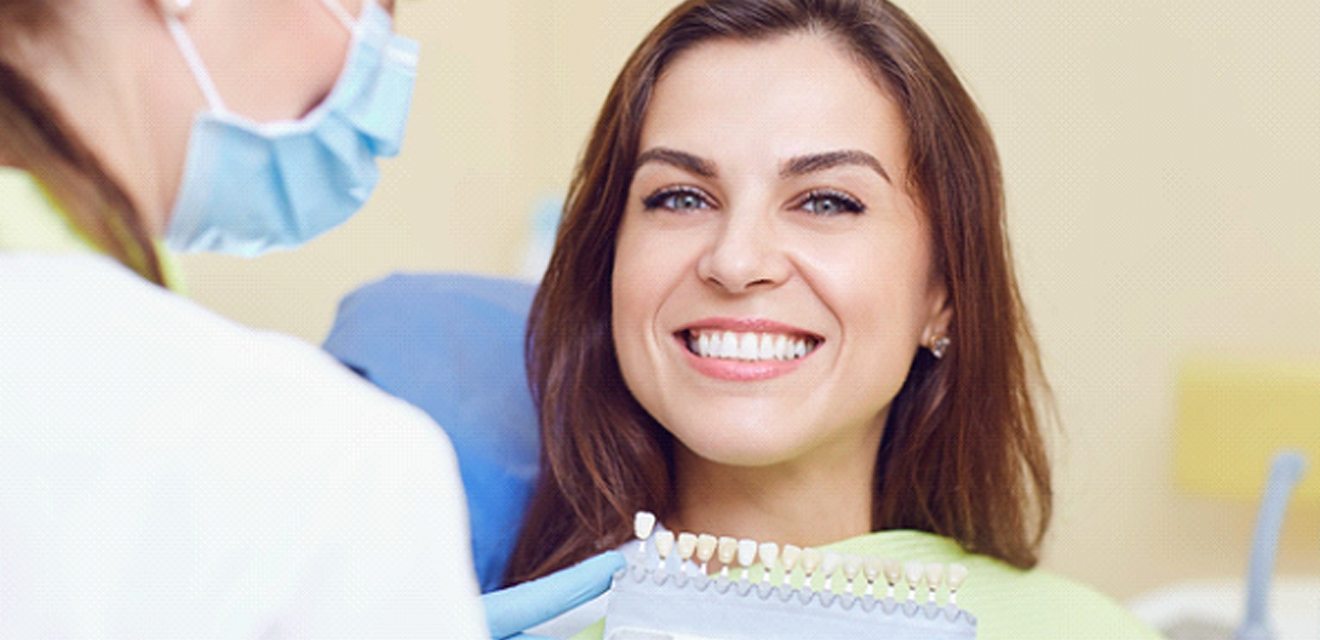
<point x="802" y="165"/>
<point x="681" y="159"/>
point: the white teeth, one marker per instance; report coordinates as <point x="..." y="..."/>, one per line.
<point x="643" y="524"/>
<point x="852" y="565"/>
<point x="893" y="574"/>
<point x="748" y="346"/>
<point x="934" y="575"/>
<point x="913" y="572"/>
<point x="872" y="567"/>
<point x="789" y="557"/>
<point x="706" y="545"/>
<point x="829" y="565"/>
<point x="811" y="558"/>
<point x="769" y="553"/>
<point x="687" y="545"/>
<point x="727" y="550"/>
<point x="664" y="543"/>
<point x="729" y="345"/>
<point x="957" y="575"/>
<point x="746" y="554"/>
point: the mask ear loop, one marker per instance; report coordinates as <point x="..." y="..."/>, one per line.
<point x="174" y="7"/>
<point x="194" y="61"/>
<point x="340" y="13"/>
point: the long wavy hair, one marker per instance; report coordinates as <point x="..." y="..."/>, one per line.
<point x="962" y="453"/>
<point x="37" y="137"/>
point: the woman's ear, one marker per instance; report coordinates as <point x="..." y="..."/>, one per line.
<point x="939" y="315"/>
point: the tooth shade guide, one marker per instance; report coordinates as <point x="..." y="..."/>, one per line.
<point x="666" y="606"/>
<point x="664" y="544"/>
<point x="957" y="576"/>
<point x="811" y="559"/>
<point x="829" y="567"/>
<point x="746" y="553"/>
<point x="726" y="553"/>
<point x="873" y="568"/>
<point x="852" y="566"/>
<point x="769" y="554"/>
<point x="774" y="567"/>
<point x="934" y="578"/>
<point x="643" y="525"/>
<point x="706" y="546"/>
<point x="893" y="575"/>
<point x="746" y="557"/>
<point x="788" y="559"/>
<point x="686" y="547"/>
<point x="668" y="602"/>
<point x="913" y="572"/>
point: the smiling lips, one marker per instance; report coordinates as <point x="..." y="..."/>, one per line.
<point x="745" y="350"/>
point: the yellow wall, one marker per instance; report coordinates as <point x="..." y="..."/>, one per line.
<point x="1163" y="169"/>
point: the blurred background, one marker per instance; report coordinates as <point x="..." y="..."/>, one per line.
<point x="1163" y="172"/>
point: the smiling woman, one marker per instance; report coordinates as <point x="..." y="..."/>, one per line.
<point x="790" y="237"/>
<point x="781" y="204"/>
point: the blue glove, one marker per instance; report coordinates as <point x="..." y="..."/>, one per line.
<point x="511" y="611"/>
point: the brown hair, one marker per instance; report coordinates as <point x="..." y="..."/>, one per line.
<point x="962" y="453"/>
<point x="34" y="135"/>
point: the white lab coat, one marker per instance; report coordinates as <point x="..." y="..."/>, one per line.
<point x="167" y="473"/>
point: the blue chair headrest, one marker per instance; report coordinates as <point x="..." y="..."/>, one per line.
<point x="452" y="345"/>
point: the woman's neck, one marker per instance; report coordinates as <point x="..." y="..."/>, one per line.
<point x="816" y="499"/>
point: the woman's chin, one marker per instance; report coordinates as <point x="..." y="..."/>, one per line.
<point x="750" y="448"/>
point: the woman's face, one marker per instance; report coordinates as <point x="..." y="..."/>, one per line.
<point x="773" y="277"/>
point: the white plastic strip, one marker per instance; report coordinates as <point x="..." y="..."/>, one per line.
<point x="345" y="18"/>
<point x="194" y="61"/>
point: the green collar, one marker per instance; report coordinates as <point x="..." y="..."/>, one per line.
<point x="31" y="220"/>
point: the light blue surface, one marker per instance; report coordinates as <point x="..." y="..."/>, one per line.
<point x="453" y="345"/>
<point x="1285" y="472"/>
<point x="511" y="611"/>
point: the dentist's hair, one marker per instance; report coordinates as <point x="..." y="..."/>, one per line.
<point x="37" y="138"/>
<point x="962" y="454"/>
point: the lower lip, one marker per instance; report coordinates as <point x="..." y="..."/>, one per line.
<point x="739" y="370"/>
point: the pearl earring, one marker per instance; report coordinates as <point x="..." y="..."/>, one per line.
<point x="939" y="345"/>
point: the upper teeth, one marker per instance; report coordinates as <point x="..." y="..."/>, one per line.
<point x="748" y="346"/>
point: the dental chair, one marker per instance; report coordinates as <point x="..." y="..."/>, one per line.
<point x="452" y="345"/>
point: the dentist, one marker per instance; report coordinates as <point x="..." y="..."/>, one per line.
<point x="165" y="472"/>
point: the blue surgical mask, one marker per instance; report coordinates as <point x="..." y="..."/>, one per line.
<point x="251" y="187"/>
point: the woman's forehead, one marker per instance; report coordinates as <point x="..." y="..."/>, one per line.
<point x="771" y="99"/>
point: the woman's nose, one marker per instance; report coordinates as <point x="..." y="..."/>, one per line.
<point x="745" y="253"/>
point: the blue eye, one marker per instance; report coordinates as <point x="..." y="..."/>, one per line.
<point x="678" y="199"/>
<point x="829" y="203"/>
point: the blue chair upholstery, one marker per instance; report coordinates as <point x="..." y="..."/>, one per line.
<point x="452" y="345"/>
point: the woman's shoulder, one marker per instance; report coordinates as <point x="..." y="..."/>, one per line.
<point x="1010" y="602"/>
